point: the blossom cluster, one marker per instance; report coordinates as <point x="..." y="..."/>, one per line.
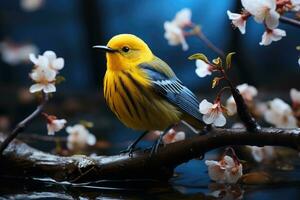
<point x="227" y="170"/>
<point x="79" y="136"/>
<point x="46" y="68"/>
<point x="13" y="53"/>
<point x="44" y="74"/>
<point x="174" y="30"/>
<point x="265" y="12"/>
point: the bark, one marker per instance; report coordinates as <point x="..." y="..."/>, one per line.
<point x="21" y="160"/>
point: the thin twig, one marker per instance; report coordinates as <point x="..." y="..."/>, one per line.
<point x="23" y="124"/>
<point x="44" y="138"/>
<point x="290" y="21"/>
<point x="209" y="44"/>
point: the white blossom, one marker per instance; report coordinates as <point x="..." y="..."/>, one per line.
<point x="248" y="92"/>
<point x="31" y="5"/>
<point x="238" y="21"/>
<point x="272" y="35"/>
<point x="231" y="106"/>
<point x="202" y="68"/>
<point x="224" y="171"/>
<point x="295" y="96"/>
<point x="280" y="114"/>
<point x="15" y="54"/>
<point x="212" y="113"/>
<point x="174" y="30"/>
<point x="263" y="11"/>
<point x="46" y="68"/>
<point x="295" y="5"/>
<point x="299" y="61"/>
<point x="260" y="154"/>
<point x="44" y="78"/>
<point x="55" y="125"/>
<point x="79" y="137"/>
<point x="183" y="17"/>
<point x="48" y="59"/>
<point x="172" y="136"/>
<point x="175" y="35"/>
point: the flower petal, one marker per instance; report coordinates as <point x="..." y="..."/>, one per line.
<point x="278" y="34"/>
<point x="220" y="120"/>
<point x="49" y="88"/>
<point x="205" y="106"/>
<point x="69" y="129"/>
<point x="43" y="62"/>
<point x="183" y="17"/>
<point x="50" y="55"/>
<point x="233" y="16"/>
<point x="295" y="96"/>
<point x="266" y="39"/>
<point x="91" y="140"/>
<point x="33" y="58"/>
<point x="272" y="19"/>
<point x="36" y="88"/>
<point x="49" y="74"/>
<point x="58" y="63"/>
<point x="237" y="21"/>
<point x="35" y="75"/>
<point x="209" y="118"/>
<point x="202" y="69"/>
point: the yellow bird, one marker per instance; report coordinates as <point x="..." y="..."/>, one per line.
<point x="143" y="91"/>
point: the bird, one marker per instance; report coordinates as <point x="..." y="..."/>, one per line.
<point x="143" y="91"/>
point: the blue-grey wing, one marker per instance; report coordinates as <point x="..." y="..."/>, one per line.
<point x="172" y="89"/>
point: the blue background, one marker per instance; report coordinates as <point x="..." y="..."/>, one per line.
<point x="71" y="28"/>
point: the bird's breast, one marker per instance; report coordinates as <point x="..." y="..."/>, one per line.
<point x="130" y="95"/>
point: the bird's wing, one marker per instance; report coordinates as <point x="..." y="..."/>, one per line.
<point x="167" y="85"/>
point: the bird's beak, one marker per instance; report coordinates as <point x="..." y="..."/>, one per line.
<point x="105" y="48"/>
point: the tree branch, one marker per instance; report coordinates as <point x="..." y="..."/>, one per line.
<point x="243" y="111"/>
<point x="21" y="160"/>
<point x="290" y="21"/>
<point x="209" y="44"/>
<point x="23" y="124"/>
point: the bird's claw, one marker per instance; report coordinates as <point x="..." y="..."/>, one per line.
<point x="155" y="147"/>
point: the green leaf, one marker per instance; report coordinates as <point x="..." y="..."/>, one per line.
<point x="86" y="123"/>
<point x="59" y="79"/>
<point x="199" y="56"/>
<point x="228" y="59"/>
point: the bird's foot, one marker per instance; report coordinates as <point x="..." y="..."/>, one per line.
<point x="130" y="150"/>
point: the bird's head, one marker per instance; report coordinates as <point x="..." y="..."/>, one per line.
<point x="125" y="51"/>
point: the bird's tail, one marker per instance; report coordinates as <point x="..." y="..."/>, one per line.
<point x="197" y="125"/>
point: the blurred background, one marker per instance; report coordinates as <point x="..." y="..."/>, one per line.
<point x="71" y="28"/>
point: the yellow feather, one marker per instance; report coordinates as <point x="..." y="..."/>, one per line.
<point x="128" y="90"/>
<point x="150" y="112"/>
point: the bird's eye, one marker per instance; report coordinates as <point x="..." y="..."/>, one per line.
<point x="125" y="49"/>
